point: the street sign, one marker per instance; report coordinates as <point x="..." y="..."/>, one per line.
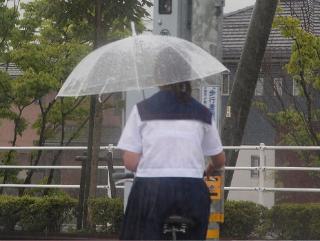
<point x="210" y="96"/>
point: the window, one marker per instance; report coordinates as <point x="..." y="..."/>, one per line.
<point x="295" y="87"/>
<point x="277" y="86"/>
<point x="255" y="162"/>
<point x="259" y="87"/>
<point x="225" y="83"/>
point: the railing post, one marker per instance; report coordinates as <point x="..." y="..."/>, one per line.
<point x="261" y="172"/>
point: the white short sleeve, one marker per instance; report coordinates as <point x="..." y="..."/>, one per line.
<point x="211" y="144"/>
<point x="130" y="139"/>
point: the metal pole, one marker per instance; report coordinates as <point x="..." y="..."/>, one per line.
<point x="261" y="172"/>
<point x="112" y="186"/>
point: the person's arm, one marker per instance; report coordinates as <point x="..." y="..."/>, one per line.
<point x="131" y="160"/>
<point x="213" y="149"/>
<point x="215" y="163"/>
<point x="131" y="141"/>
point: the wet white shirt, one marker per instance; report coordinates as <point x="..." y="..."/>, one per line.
<point x="170" y="148"/>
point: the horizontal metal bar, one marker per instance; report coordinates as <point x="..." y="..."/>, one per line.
<point x="241" y="147"/>
<point x="293" y="168"/>
<point x="47" y="186"/>
<point x="111" y="147"/>
<point x="122" y="167"/>
<point x="17" y="148"/>
<point x="39" y="167"/>
<point x="52" y="167"/>
<point x="310" y="148"/>
<point x="122" y="187"/>
<point x="102" y="186"/>
<point x="272" y="189"/>
<point x="39" y="186"/>
<point x="241" y="168"/>
<point x="275" y="189"/>
<point x="241" y="188"/>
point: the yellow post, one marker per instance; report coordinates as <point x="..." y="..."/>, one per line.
<point x="215" y="186"/>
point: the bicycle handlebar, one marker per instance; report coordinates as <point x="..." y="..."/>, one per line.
<point x="119" y="176"/>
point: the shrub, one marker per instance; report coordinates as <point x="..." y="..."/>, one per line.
<point x="107" y="213"/>
<point x="47" y="213"/>
<point x="11" y="208"/>
<point x="243" y="219"/>
<point x="296" y="221"/>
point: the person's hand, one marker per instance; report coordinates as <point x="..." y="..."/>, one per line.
<point x="215" y="164"/>
<point x="210" y="171"/>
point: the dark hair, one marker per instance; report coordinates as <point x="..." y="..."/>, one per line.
<point x="172" y="67"/>
<point x="182" y="90"/>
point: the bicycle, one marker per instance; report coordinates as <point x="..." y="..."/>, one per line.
<point x="173" y="224"/>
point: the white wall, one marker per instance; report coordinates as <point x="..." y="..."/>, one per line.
<point x="242" y="178"/>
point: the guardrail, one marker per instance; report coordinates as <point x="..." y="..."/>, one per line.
<point x="262" y="168"/>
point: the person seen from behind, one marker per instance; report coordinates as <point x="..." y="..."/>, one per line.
<point x="165" y="141"/>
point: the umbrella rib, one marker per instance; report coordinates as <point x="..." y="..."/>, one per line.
<point x="80" y="88"/>
<point x="135" y="64"/>
<point x="179" y="52"/>
<point x="88" y="74"/>
<point x="103" y="88"/>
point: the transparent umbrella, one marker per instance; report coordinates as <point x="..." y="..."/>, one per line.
<point x="139" y="62"/>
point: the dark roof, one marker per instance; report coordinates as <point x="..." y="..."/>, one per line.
<point x="11" y="68"/>
<point x="235" y="27"/>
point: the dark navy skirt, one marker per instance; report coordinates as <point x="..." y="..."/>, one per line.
<point x="152" y="200"/>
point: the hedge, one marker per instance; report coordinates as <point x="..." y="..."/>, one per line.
<point x="11" y="209"/>
<point x="296" y="221"/>
<point x="243" y="219"/>
<point x="48" y="213"/>
<point x="36" y="214"/>
<point x="107" y="214"/>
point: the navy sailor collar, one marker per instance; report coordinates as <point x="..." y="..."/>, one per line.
<point x="164" y="105"/>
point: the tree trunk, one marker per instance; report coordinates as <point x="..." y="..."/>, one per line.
<point x="89" y="180"/>
<point x="239" y="102"/>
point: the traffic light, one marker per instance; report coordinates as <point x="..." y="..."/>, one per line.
<point x="165" y="6"/>
<point x="173" y="17"/>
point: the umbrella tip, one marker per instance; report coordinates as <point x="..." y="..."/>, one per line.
<point x="133" y="29"/>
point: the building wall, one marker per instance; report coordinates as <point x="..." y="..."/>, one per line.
<point x="28" y="136"/>
<point x="248" y="178"/>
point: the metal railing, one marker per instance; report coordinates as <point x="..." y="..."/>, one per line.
<point x="262" y="168"/>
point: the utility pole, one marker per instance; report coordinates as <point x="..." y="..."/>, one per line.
<point x="239" y="102"/>
<point x="207" y="17"/>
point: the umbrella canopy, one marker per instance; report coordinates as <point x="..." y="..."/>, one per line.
<point x="139" y="62"/>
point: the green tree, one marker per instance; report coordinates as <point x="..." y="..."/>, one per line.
<point x="299" y="114"/>
<point x="239" y="102"/>
<point x="45" y="64"/>
<point x="8" y="20"/>
<point x="297" y="117"/>
<point x="47" y="42"/>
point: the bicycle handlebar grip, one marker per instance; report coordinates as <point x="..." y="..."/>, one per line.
<point x="119" y="176"/>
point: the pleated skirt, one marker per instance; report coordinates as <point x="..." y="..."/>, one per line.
<point x="152" y="200"/>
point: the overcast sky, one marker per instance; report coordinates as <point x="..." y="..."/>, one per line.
<point x="233" y="5"/>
